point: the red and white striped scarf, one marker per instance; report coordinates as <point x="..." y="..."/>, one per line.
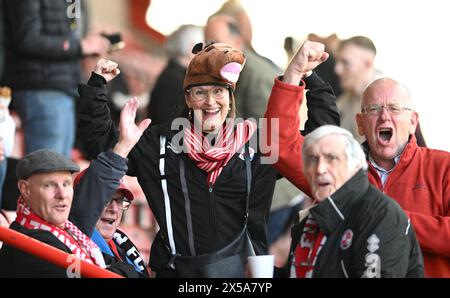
<point x="212" y="159"/>
<point x="80" y="244"/>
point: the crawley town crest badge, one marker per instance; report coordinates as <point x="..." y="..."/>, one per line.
<point x="346" y="240"/>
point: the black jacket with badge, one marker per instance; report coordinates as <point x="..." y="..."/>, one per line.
<point x="217" y="214"/>
<point x="383" y="242"/>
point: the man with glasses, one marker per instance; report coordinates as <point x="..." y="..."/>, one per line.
<point x="355" y="67"/>
<point x="93" y="188"/>
<point x="417" y="178"/>
<point x="100" y="197"/>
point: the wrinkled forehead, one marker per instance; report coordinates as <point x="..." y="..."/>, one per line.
<point x="329" y="144"/>
<point x="385" y="92"/>
<point x="52" y="177"/>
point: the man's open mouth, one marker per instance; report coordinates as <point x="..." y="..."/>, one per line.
<point x="109" y="221"/>
<point x="61" y="207"/>
<point x="323" y="184"/>
<point x="385" y="134"/>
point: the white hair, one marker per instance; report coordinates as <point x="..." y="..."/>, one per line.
<point x="181" y="41"/>
<point x="355" y="155"/>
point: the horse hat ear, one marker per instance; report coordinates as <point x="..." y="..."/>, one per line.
<point x="197" y="48"/>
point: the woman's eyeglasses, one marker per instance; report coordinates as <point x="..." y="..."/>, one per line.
<point x="200" y="93"/>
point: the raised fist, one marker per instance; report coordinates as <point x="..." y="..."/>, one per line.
<point x="308" y="57"/>
<point x="107" y="69"/>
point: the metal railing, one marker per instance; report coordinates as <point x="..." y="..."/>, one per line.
<point x="52" y="254"/>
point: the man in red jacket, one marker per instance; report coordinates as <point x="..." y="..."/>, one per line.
<point x="417" y="178"/>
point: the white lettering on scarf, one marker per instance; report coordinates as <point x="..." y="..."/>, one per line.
<point x="119" y="239"/>
<point x="307" y="236"/>
<point x="133" y="252"/>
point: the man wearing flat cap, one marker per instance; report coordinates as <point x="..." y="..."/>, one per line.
<point x="46" y="193"/>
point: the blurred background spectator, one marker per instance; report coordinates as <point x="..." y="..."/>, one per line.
<point x="167" y="97"/>
<point x="355" y="67"/>
<point x="1" y="44"/>
<point x="257" y="77"/>
<point x="44" y="41"/>
<point x="7" y="131"/>
<point x="137" y="78"/>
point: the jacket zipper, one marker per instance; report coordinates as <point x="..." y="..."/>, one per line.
<point x="213" y="217"/>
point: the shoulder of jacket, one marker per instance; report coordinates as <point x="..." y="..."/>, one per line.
<point x="370" y="204"/>
<point x="380" y="208"/>
<point x="436" y="156"/>
<point x="40" y="235"/>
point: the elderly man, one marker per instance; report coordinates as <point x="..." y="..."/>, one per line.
<point x="101" y="197"/>
<point x="353" y="229"/>
<point x="45" y="185"/>
<point x="417" y="178"/>
<point x="115" y="245"/>
<point x="113" y="242"/>
<point x="355" y="67"/>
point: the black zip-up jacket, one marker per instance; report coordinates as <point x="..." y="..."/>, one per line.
<point x="218" y="212"/>
<point x="35" y="35"/>
<point x="367" y="234"/>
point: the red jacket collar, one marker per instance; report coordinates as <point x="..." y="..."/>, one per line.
<point x="405" y="158"/>
<point x="409" y="151"/>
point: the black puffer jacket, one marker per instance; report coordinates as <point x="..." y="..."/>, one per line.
<point x="42" y="50"/>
